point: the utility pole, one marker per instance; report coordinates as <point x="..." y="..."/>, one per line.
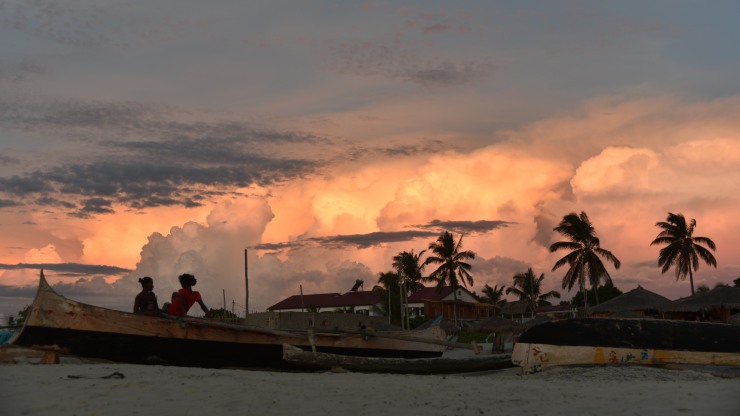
<point x="246" y="284"/>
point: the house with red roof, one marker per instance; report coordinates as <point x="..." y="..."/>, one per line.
<point x="435" y="301"/>
<point x="429" y="301"/>
<point x="362" y="302"/>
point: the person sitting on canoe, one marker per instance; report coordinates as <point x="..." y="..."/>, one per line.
<point x="184" y="298"/>
<point x="146" y="301"/>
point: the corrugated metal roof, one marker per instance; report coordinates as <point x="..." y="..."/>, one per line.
<point x="430" y="293"/>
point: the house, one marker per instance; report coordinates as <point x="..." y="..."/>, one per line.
<point x="429" y="301"/>
<point x="434" y="301"/>
<point x="361" y="302"/>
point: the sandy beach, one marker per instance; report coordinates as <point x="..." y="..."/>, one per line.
<point x="75" y="387"/>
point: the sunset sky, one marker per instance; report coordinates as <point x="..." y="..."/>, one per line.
<point x="163" y="137"/>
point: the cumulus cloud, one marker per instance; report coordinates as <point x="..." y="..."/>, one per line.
<point x="320" y="231"/>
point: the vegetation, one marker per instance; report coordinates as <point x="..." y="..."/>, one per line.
<point x="682" y="250"/>
<point x="221" y="314"/>
<point x="417" y="320"/>
<point x="528" y="287"/>
<point x="702" y="288"/>
<point x="388" y="287"/>
<point x="409" y="268"/>
<point x="585" y="253"/>
<point x="18" y="321"/>
<point x="452" y="264"/>
<point x="604" y="293"/>
<point x="493" y="295"/>
<point x="585" y="261"/>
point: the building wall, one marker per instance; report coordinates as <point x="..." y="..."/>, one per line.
<point x="306" y="320"/>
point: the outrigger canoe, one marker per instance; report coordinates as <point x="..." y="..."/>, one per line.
<point x="584" y="341"/>
<point x="441" y="365"/>
<point x="58" y="324"/>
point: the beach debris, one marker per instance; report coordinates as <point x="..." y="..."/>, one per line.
<point x="112" y="375"/>
<point x="50" y="357"/>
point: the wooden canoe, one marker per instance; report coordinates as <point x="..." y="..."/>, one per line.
<point x="324" y="361"/>
<point x="586" y="341"/>
<point x="56" y="323"/>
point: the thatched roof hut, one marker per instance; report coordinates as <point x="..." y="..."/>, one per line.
<point x="638" y="300"/>
<point x="497" y="324"/>
<point x="716" y="305"/>
<point x="722" y="297"/>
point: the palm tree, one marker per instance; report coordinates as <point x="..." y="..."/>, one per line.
<point x="494" y="295"/>
<point x="528" y="287"/>
<point x="409" y="267"/>
<point x="584" y="258"/>
<point x="452" y="268"/>
<point x="388" y="288"/>
<point x="682" y="249"/>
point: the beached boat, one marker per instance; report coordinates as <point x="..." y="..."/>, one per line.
<point x="56" y="323"/>
<point x="442" y="365"/>
<point x="585" y="341"/>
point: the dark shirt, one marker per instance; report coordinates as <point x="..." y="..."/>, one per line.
<point x="146" y="303"/>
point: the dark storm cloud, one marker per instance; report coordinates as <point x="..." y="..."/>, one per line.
<point x="19" y="72"/>
<point x="69" y="268"/>
<point x="446" y="73"/>
<point x="377" y="59"/>
<point x="352" y="240"/>
<point x="18" y="291"/>
<point x="401" y="150"/>
<point x="381" y="237"/>
<point x="8" y="203"/>
<point x="6" y="160"/>
<point x="465" y="227"/>
<point x="140" y="128"/>
<point x="143" y="157"/>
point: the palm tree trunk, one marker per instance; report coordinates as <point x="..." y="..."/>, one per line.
<point x="596" y="293"/>
<point x="454" y="306"/>
<point x="691" y="279"/>
<point x="582" y="281"/>
<point x="400" y="298"/>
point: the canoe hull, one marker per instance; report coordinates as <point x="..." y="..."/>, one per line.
<point x="56" y="323"/>
<point x="601" y="341"/>
<point x="324" y="361"/>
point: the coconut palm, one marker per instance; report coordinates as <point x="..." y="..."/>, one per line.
<point x="388" y="288"/>
<point x="584" y="258"/>
<point x="682" y="249"/>
<point x="409" y="267"/>
<point x="528" y="287"/>
<point x="453" y="268"/>
<point x="494" y="295"/>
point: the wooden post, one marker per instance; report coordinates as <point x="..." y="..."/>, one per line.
<point x="301" y="287"/>
<point x="246" y="284"/>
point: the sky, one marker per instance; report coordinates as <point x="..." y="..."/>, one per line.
<point x="166" y="137"/>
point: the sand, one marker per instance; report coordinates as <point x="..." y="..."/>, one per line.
<point x="75" y="387"/>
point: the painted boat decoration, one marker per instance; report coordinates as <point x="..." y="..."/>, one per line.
<point x="584" y="341"/>
<point x="56" y="323"/>
<point x="323" y="361"/>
